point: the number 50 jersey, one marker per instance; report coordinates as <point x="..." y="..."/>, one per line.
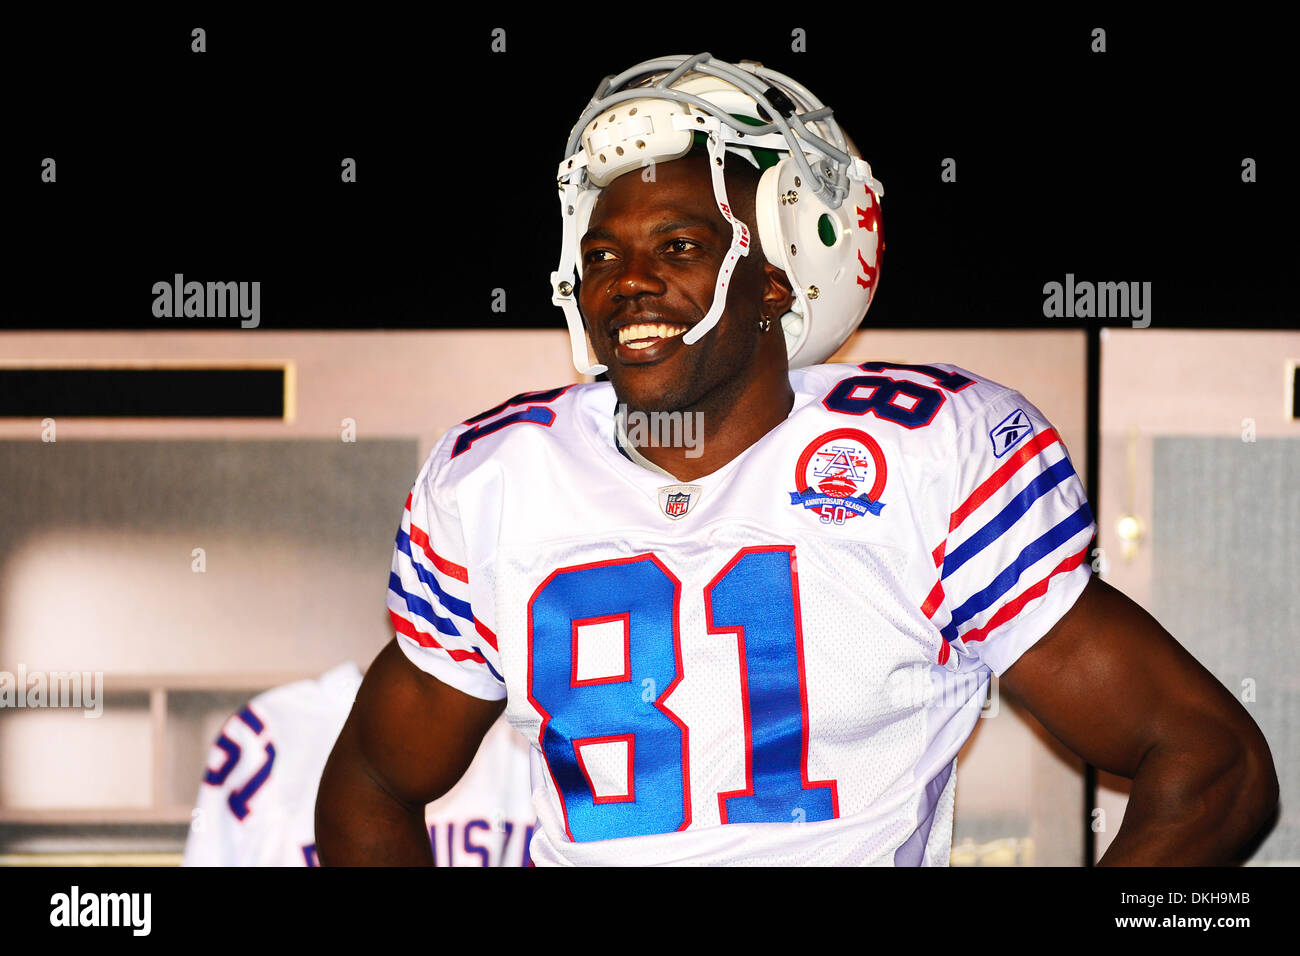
<point x="774" y="663"/>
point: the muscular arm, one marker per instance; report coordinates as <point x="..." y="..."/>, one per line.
<point x="1118" y="690"/>
<point x="408" y="740"/>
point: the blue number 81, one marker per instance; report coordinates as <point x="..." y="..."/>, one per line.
<point x="754" y="596"/>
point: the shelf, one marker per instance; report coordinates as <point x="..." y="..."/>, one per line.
<point x="95" y="816"/>
<point x="154" y="690"/>
<point x="251" y="682"/>
<point x="90" y="859"/>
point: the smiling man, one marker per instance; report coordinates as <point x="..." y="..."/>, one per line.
<point x="650" y="258"/>
<point x="769" y="652"/>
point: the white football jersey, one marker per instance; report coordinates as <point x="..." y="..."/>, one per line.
<point x="257" y="802"/>
<point x="775" y="663"/>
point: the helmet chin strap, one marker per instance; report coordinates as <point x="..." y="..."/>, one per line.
<point x="564" y="279"/>
<point x="740" y="239"/>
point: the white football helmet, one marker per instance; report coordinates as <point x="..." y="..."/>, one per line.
<point x="818" y="206"/>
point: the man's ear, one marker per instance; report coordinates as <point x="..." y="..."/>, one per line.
<point x="778" y="295"/>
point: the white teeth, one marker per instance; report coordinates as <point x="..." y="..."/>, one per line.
<point x="632" y="333"/>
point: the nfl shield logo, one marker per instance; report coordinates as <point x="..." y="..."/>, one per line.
<point x="677" y="500"/>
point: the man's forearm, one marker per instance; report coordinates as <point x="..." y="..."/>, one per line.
<point x="358" y="823"/>
<point x="1193" y="807"/>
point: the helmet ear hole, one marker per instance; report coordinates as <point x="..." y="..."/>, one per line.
<point x="826" y="230"/>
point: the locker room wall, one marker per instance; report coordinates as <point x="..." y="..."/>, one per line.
<point x="97" y="532"/>
<point x="105" y="583"/>
<point x="1220" y="518"/>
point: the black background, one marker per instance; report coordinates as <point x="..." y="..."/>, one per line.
<point x="225" y="165"/>
<point x="996" y="907"/>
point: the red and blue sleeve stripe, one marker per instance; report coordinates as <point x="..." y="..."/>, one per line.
<point x="1007" y="521"/>
<point x="452" y="604"/>
<point x="1015" y="509"/>
<point x="1007" y="578"/>
<point x="421" y="607"/>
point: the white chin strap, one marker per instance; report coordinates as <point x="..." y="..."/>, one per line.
<point x="564" y="279"/>
<point x="740" y="240"/>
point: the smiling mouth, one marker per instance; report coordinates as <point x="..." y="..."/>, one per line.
<point x="644" y="335"/>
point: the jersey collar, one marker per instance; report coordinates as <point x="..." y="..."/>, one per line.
<point x="611" y="430"/>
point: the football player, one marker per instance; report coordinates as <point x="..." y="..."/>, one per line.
<point x="256" y="804"/>
<point x="767" y="645"/>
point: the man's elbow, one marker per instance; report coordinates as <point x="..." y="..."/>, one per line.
<point x="1257" y="786"/>
<point x="1244" y="782"/>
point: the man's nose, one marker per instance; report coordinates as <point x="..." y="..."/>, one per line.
<point x="639" y="273"/>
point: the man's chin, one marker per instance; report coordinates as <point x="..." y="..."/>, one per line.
<point x="643" y="392"/>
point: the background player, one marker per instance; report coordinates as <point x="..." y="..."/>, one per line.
<point x="256" y="804"/>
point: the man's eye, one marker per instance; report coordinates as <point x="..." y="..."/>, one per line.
<point x="595" y="255"/>
<point x="682" y="245"/>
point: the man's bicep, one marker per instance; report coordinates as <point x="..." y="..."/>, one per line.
<point x="416" y="734"/>
<point x="1109" y="682"/>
